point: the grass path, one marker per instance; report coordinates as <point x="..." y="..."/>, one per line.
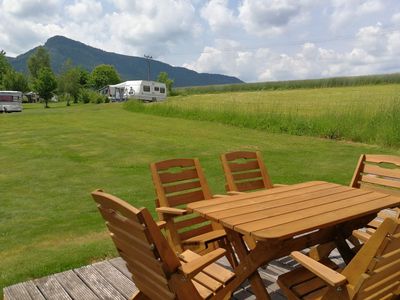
<point x="52" y="159"/>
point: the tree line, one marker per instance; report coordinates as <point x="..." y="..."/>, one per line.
<point x="73" y="84"/>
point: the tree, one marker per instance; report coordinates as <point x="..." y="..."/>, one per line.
<point x="103" y="75"/>
<point x="83" y="77"/>
<point x="15" y="81"/>
<point x="37" y="61"/>
<point x="4" y="65"/>
<point x="163" y="77"/>
<point x="69" y="81"/>
<point x="45" y="84"/>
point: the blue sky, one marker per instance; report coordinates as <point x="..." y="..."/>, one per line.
<point x="255" y="40"/>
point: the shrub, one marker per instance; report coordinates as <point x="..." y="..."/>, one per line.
<point x="84" y="96"/>
<point x="66" y="98"/>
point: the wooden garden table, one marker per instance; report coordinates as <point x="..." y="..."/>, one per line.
<point x="290" y="218"/>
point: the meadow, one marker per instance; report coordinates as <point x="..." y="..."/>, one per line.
<point x="51" y="159"/>
<point x="368" y="114"/>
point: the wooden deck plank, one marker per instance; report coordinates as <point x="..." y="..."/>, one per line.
<point x="120" y="264"/>
<point x="33" y="290"/>
<point x="93" y="282"/>
<point x="124" y="285"/>
<point x="51" y="288"/>
<point x="74" y="286"/>
<point x="99" y="285"/>
<point x="16" y="291"/>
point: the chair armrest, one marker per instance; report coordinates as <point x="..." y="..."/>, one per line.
<point x="171" y="211"/>
<point x="230" y="193"/>
<point x="219" y="196"/>
<point x="330" y="276"/>
<point x="161" y="224"/>
<point x="192" y="268"/>
<point x="278" y="185"/>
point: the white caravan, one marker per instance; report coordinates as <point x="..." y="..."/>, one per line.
<point x="10" y="101"/>
<point x="140" y="89"/>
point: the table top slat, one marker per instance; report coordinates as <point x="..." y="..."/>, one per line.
<point x="302" y="215"/>
<point x="300" y="203"/>
<point x="253" y="207"/>
<point x="290" y="210"/>
<point x="224" y="200"/>
<point x="326" y="219"/>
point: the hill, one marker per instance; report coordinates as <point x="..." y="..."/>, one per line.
<point x="129" y="67"/>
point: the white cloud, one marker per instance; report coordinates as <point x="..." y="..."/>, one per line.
<point x="154" y="26"/>
<point x="372" y="39"/>
<point x="219" y="16"/>
<point x="252" y="39"/>
<point x="347" y="11"/>
<point x="84" y="10"/>
<point x="32" y="9"/>
<point x="396" y="19"/>
<point x="270" y="17"/>
<point x="374" y="51"/>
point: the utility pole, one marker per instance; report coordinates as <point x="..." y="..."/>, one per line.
<point x="148" y="57"/>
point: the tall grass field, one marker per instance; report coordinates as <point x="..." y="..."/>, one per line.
<point x="51" y="159"/>
<point x="367" y="114"/>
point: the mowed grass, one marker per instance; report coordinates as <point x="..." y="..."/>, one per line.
<point x="368" y="114"/>
<point x="52" y="159"/>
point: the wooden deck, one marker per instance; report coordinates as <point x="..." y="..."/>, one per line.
<point x="110" y="279"/>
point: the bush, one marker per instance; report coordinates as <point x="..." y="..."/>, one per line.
<point x="97" y="98"/>
<point x="90" y="96"/>
<point x="84" y="96"/>
<point x="66" y="98"/>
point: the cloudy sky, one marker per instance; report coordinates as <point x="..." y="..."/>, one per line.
<point x="255" y="40"/>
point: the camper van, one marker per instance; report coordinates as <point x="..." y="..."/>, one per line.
<point x="10" y="101"/>
<point x="148" y="91"/>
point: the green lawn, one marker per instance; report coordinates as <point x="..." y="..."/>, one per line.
<point x="52" y="159"/>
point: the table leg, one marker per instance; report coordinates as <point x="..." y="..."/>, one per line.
<point x="342" y="246"/>
<point x="256" y="282"/>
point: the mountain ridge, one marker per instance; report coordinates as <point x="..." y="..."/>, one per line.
<point x="129" y="67"/>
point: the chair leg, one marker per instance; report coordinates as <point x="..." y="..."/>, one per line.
<point x="139" y="296"/>
<point x="230" y="253"/>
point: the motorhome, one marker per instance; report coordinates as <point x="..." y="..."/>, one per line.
<point x="10" y="101"/>
<point x="148" y="91"/>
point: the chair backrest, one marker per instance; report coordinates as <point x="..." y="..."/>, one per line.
<point x="245" y="171"/>
<point x="374" y="272"/>
<point x="378" y="172"/>
<point x="178" y="182"/>
<point x="141" y="244"/>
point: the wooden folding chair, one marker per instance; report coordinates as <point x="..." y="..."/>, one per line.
<point x="245" y="171"/>
<point x="178" y="182"/>
<point x="379" y="173"/>
<point x="156" y="269"/>
<point x="373" y="273"/>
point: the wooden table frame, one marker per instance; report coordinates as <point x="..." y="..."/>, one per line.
<point x="291" y="218"/>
